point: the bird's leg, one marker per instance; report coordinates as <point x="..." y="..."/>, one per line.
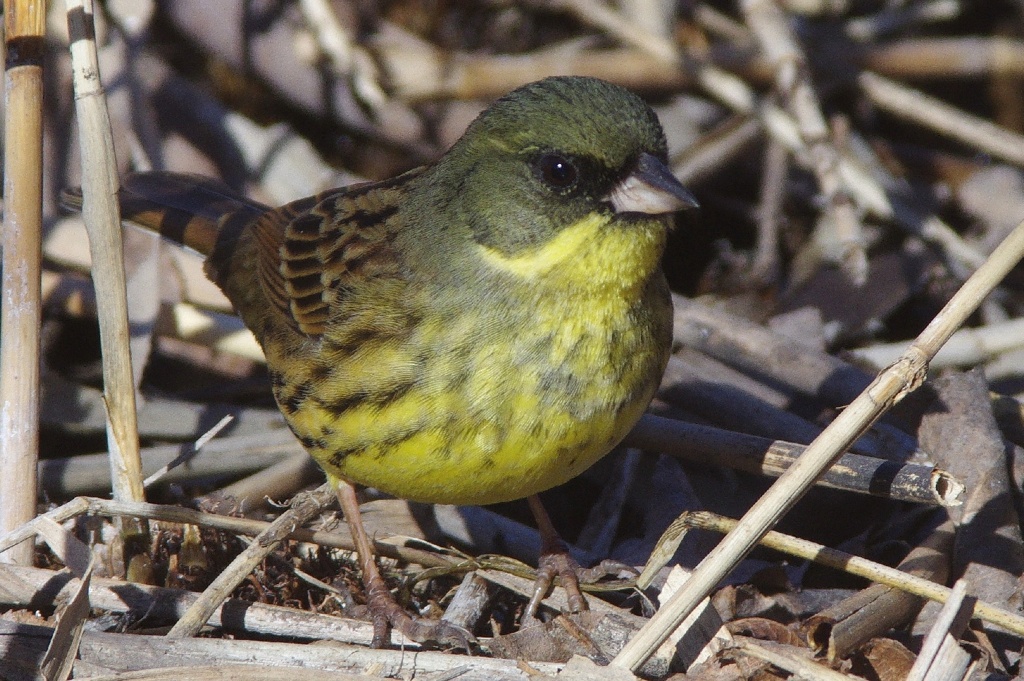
<point x="554" y="561"/>
<point x="383" y="608"/>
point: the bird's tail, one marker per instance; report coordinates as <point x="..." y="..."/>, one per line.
<point x="191" y="210"/>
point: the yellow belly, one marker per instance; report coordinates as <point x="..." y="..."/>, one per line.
<point x="492" y="399"/>
<point x="461" y="415"/>
<point x="486" y="461"/>
<point x="482" y="423"/>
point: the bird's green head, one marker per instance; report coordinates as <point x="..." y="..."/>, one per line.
<point x="553" y="153"/>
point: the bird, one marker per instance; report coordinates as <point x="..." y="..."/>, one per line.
<point x="472" y="331"/>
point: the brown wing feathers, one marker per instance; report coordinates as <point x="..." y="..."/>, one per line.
<point x="290" y="266"/>
<point x="305" y="252"/>
<point x="327" y="243"/>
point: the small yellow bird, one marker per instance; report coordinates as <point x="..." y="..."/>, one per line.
<point x="473" y="331"/>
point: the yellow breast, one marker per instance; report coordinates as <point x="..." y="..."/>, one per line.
<point x="501" y="400"/>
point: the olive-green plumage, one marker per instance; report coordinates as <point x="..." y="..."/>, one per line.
<point x="473" y="331"/>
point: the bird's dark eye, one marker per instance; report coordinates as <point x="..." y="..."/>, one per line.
<point x="557" y="171"/>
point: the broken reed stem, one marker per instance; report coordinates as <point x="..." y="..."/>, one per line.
<point x="103" y="222"/>
<point x="888" y="388"/>
<point x="24" y="24"/>
<point x="843" y="627"/>
<point x="710" y="446"/>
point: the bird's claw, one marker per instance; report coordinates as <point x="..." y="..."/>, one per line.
<point x="606" y="568"/>
<point x="561" y="566"/>
<point x="561" y="569"/>
<point x="387" y="614"/>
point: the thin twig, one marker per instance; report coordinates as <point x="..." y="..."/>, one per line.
<point x="190" y="452"/>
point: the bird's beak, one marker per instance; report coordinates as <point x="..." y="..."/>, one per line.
<point x="651" y="188"/>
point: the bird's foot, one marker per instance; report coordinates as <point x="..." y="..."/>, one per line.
<point x="384" y="611"/>
<point x="557" y="564"/>
<point x="387" y="614"/>
<point x="559" y="568"/>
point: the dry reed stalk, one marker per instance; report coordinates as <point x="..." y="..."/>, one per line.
<point x="102" y="219"/>
<point x="24" y="23"/>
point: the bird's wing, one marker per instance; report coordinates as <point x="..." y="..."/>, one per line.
<point x="316" y="251"/>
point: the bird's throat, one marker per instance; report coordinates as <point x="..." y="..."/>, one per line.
<point x="597" y="253"/>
